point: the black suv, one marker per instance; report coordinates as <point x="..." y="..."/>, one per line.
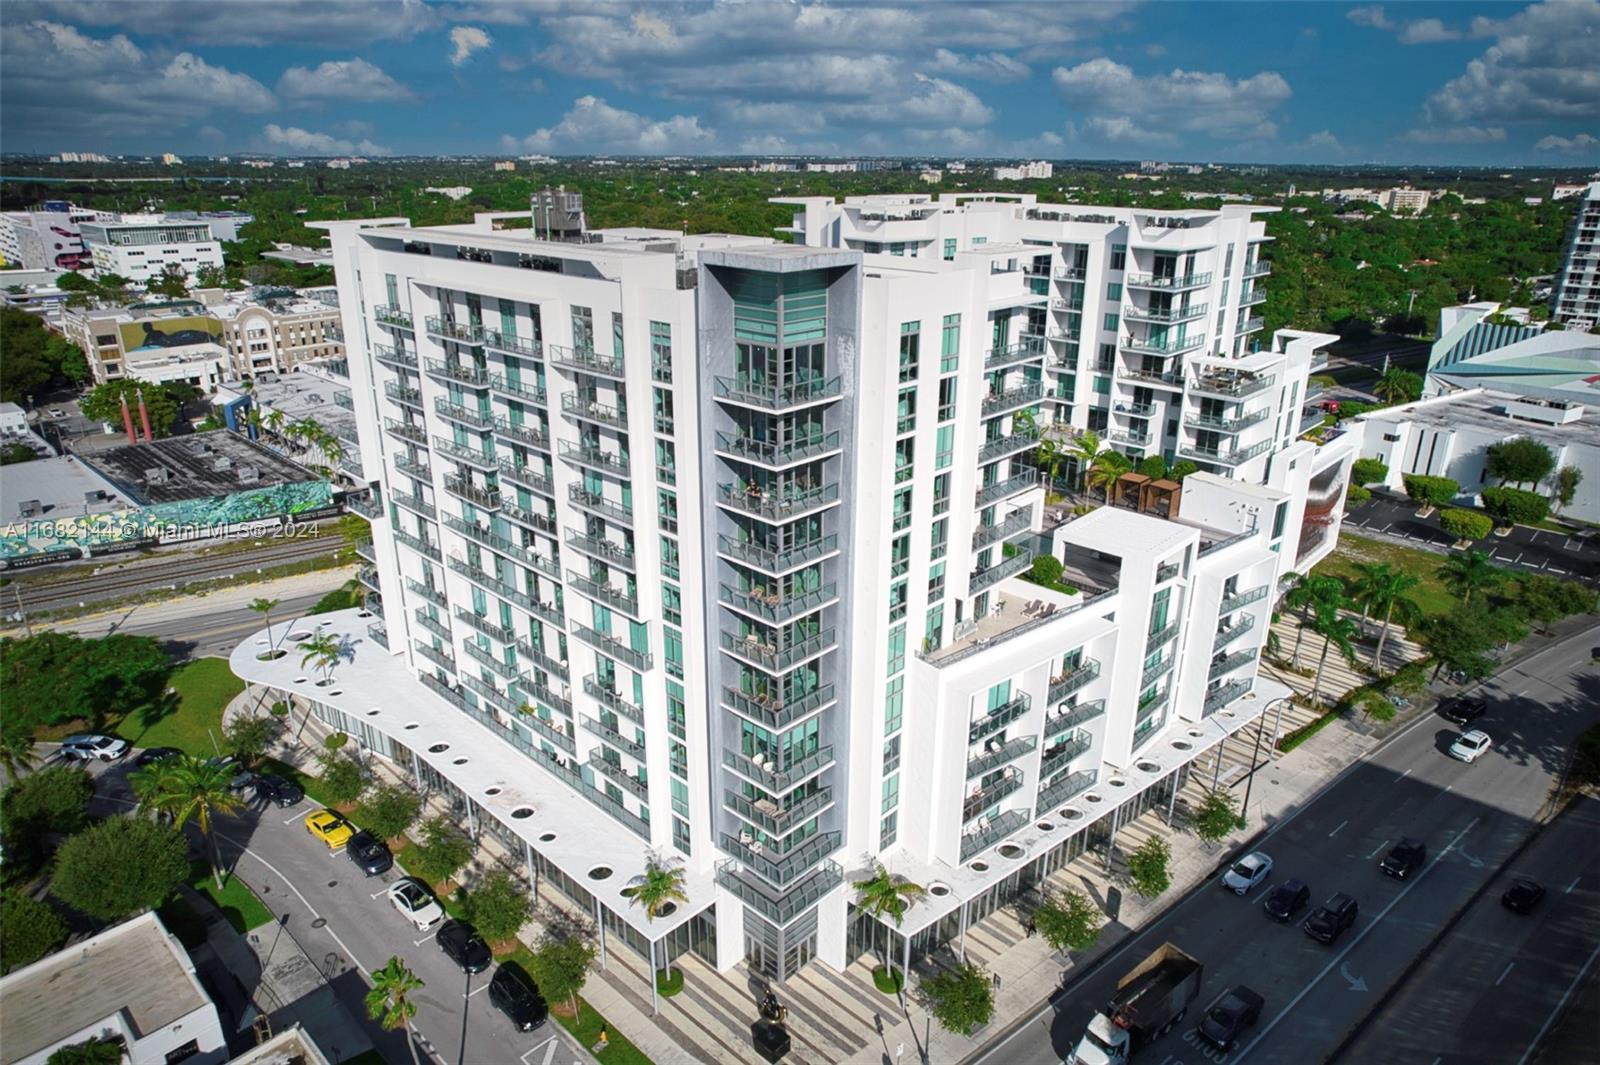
<point x="280" y="791"/>
<point x="1406" y="858"/>
<point x="1523" y="895"/>
<point x="1330" y="921"/>
<point x="370" y="853"/>
<point x="514" y="994"/>
<point x="1286" y="900"/>
<point x="463" y="945"/>
<point x="1462" y="710"/>
<point x="1229" y="1016"/>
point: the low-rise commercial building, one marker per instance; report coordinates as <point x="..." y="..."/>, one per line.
<point x="141" y="247"/>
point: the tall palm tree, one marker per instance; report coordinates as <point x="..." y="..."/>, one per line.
<point x="1107" y="469"/>
<point x="1050" y="456"/>
<point x="1336" y="630"/>
<point x="187" y="788"/>
<point x="1469" y="571"/>
<point x="1381" y="589"/>
<point x="389" y="1002"/>
<point x="660" y="885"/>
<point x="265" y="607"/>
<point x="1084" y="447"/>
<point x="882" y="894"/>
<point x="324" y="650"/>
<point x="1308" y="593"/>
<point x="1396" y="385"/>
<point x="16" y="749"/>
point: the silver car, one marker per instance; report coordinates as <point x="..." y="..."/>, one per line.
<point x="89" y="745"/>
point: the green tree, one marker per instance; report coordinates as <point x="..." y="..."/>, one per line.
<point x="960" y="999"/>
<point x="1046" y="570"/>
<point x="249" y="737"/>
<point x="172" y="281"/>
<point x="442" y="851"/>
<point x="389" y="1002"/>
<point x="1567" y="480"/>
<point x="120" y="866"/>
<point x="1381" y="590"/>
<point x="324" y="650"/>
<point x="54" y="799"/>
<point x="341" y="777"/>
<point x="389" y="809"/>
<point x="1107" y="469"/>
<point x="1465" y="525"/>
<point x="498" y="907"/>
<point x="658" y="890"/>
<point x="186" y="788"/>
<point x="210" y="277"/>
<point x="1309" y="593"/>
<point x="98" y="1050"/>
<point x="1337" y="631"/>
<point x="1368" y="471"/>
<point x="1468" y="572"/>
<point x="104" y="404"/>
<point x="1068" y="920"/>
<point x="1181" y="469"/>
<point x="1147" y="867"/>
<point x="1050" y="456"/>
<point x="55" y="678"/>
<point x="17" y="755"/>
<point x="1083" y="450"/>
<point x="884" y="894"/>
<point x="1430" y="491"/>
<point x="265" y="607"/>
<point x="561" y="966"/>
<point x="1153" y="467"/>
<point x="29" y="929"/>
<point x="1216" y="817"/>
<point x="1520" y="460"/>
<point x="1398" y="385"/>
<point x="1545" y="600"/>
<point x="1513" y="506"/>
<point x="1461" y="639"/>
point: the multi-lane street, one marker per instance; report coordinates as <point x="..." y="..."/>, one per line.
<point x="1472" y="818"/>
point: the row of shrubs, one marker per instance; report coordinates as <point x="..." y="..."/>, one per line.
<point x="1502" y="506"/>
<point x="1371" y="698"/>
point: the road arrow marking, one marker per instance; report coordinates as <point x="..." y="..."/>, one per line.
<point x="1356" y="982"/>
<point x="1476" y="863"/>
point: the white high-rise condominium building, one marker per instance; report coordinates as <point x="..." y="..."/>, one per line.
<point x="1577" y="293"/>
<point x="714" y="546"/>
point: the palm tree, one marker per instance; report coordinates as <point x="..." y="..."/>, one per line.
<point x="659" y="887"/>
<point x="16" y="749"/>
<point x="1084" y="447"/>
<point x="187" y="789"/>
<point x="1395" y="385"/>
<point x="1336" y="630"/>
<point x="1381" y="589"/>
<point x="324" y="650"/>
<point x="1464" y="573"/>
<point x="1308" y="594"/>
<point x="273" y="420"/>
<point x="265" y="607"/>
<point x="882" y="894"/>
<point x="389" y="1002"/>
<point x="1107" y="470"/>
<point x="1050" y="456"/>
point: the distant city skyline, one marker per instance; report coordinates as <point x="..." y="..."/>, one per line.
<point x="1490" y="84"/>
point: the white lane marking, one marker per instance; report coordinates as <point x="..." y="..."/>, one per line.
<point x="1448" y="786"/>
<point x="1376" y="849"/>
<point x="1572" y="885"/>
<point x="424" y="939"/>
<point x="380" y="892"/>
<point x="1519" y="556"/>
<point x="481" y="987"/>
<point x="1505" y="973"/>
<point x="548" y="1053"/>
<point x="297" y="817"/>
<point x="1339" y="958"/>
<point x="1335" y="832"/>
<point x="1548" y="1021"/>
<point x="1264" y="885"/>
<point x="1402" y="776"/>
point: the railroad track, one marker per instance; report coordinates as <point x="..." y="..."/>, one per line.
<point x="28" y="594"/>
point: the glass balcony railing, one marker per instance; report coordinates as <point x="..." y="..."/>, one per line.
<point x="1061" y="721"/>
<point x="997" y="753"/>
<point x="1168" y="282"/>
<point x="778" y="394"/>
<point x="1067" y="682"/>
<point x="976" y="802"/>
<point x="997" y="829"/>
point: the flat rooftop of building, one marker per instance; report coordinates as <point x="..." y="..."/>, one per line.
<point x="1485" y="411"/>
<point x="300" y="255"/>
<point x="136" y="969"/>
<point x="1116" y="531"/>
<point x="292" y="1046"/>
<point x="305" y="395"/>
<point x="62" y="487"/>
<point x="197" y="466"/>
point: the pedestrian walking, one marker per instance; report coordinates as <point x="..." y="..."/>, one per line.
<point x="1033" y="929"/>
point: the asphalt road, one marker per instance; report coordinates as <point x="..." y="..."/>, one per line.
<point x="188" y="632"/>
<point x="1524" y="548"/>
<point x="1472" y="817"/>
<point x="1514" y="976"/>
<point x="342" y="920"/>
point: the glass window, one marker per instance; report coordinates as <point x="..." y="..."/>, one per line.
<point x="616" y="333"/>
<point x="894" y="700"/>
<point x="891" y="792"/>
<point x="949" y="248"/>
<point x="1102" y="386"/>
<point x="888" y="831"/>
<point x="897" y="649"/>
<point x="1279" y="518"/>
<point x="582" y="328"/>
<point x="1110" y="322"/>
<point x="910" y="347"/>
<point x="944" y="453"/>
<point x="1119" y="256"/>
<point x="1114" y="290"/>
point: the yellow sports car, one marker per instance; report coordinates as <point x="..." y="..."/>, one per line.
<point x="331" y="828"/>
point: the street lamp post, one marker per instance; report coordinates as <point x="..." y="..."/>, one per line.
<point x="1244" y="811"/>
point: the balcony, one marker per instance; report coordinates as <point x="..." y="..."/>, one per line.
<point x="772" y="711"/>
<point x="491" y="693"/>
<point x="378" y="634"/>
<point x="613" y="700"/>
<point x="779" y="907"/>
<point x="1059" y="756"/>
<point x="777" y="608"/>
<point x="1020" y="481"/>
<point x="526" y="393"/>
<point x="1016" y="522"/>
<point x="1152" y="377"/>
<point x="1225" y="457"/>
<point x="485" y="536"/>
<point x="762" y="769"/>
<point x="419" y="544"/>
<point x="999" y="717"/>
<point x="503" y="633"/>
<point x="783" y="394"/>
<point x="1065" y="683"/>
<point x="1229" y="425"/>
<point x="463" y="488"/>
<point x="1217" y="698"/>
<point x="1243" y="599"/>
<point x="473" y="457"/>
<point x="978" y="801"/>
<point x="777" y="563"/>
<point x="410" y="433"/>
<point x="1259" y="268"/>
<point x="368" y="575"/>
<point x="528" y="478"/>
<point x="1135" y="410"/>
<point x="587" y="360"/>
<point x="1226" y="634"/>
<point x="432" y="624"/>
<point x="1012" y="399"/>
<point x="603" y="592"/>
<point x="984" y="579"/>
<point x="775" y="659"/>
<point x="1130" y="436"/>
<point x="508" y="592"/>
<point x="1230" y="385"/>
<point x="591" y="411"/>
<point x="992" y="832"/>
<point x="427" y="591"/>
<point x="1165" y="347"/>
<point x="406" y="397"/>
<point x="457" y="373"/>
<point x="454" y="412"/>
<point x="396" y="358"/>
<point x="1162" y="638"/>
<point x="1229" y="663"/>
<point x="997" y="754"/>
<point x="1165" y="315"/>
<point x="781" y="869"/>
<point x="595" y="458"/>
<point x="1002" y="446"/>
<point x="782" y="504"/>
<point x="1059" y="722"/>
<point x="448" y="329"/>
<point x="1071" y="273"/>
<point x="1067" y="788"/>
<point x="611" y="736"/>
<point x="598" y="547"/>
<point x="556" y="732"/>
<point x="413" y="467"/>
<point x="1168" y="282"/>
<point x="502" y="669"/>
<point x="774" y="818"/>
<point x="530" y="433"/>
<point x="1154" y="673"/>
<point x="393" y="317"/>
<point x="1023" y="351"/>
<point x="619" y="776"/>
<point x="530" y="519"/>
<point x="596" y="503"/>
<point x="1069" y="305"/>
<point x="439" y="658"/>
<point x="608" y="644"/>
<point x="539" y="658"/>
<point x="776" y="456"/>
<point x="511" y="343"/>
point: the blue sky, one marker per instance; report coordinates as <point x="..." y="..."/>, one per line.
<point x="1485" y="83"/>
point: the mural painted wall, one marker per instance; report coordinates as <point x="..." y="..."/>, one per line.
<point x="37" y="540"/>
<point x="153" y="334"/>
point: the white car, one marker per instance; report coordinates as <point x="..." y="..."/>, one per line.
<point x="1471" y="746"/>
<point x="1246" y="873"/>
<point x="415" y="903"/>
<point x="89" y="745"/>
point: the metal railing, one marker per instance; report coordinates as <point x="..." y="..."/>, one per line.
<point x="450" y="329"/>
<point x="1165" y="346"/>
<point x="1229" y="633"/>
<point x="1007" y="445"/>
<point x="1165" y="314"/>
<point x="608" y="551"/>
<point x="1243" y="599"/>
<point x="1012" y="398"/>
<point x="1231" y="386"/>
<point x="1067" y="787"/>
<point x="774" y="818"/>
<point x="775" y="780"/>
<point x="586" y="360"/>
<point x="612" y="700"/>
<point x="996" y="830"/>
<point x="983" y="579"/>
<point x="1229" y="457"/>
<point x="999" y="755"/>
<point x="1077" y="715"/>
<point x="460" y="373"/>
<point x="1171" y="282"/>
<point x="779" y="907"/>
<point x="777" y="455"/>
<point x="1228" y="663"/>
<point x="1057" y="756"/>
<point x="615" y="648"/>
<point x="776" y="659"/>
<point x="1229" y="425"/>
<point x="1064" y="684"/>
<point x="1220" y="697"/>
<point x="778" y="395"/>
<point x="776" y="563"/>
<point x="603" y="592"/>
<point x="1019" y="481"/>
<point x="777" y="609"/>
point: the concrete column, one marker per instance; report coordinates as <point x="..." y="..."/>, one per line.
<point x="1172" y="799"/>
<point x="600" y="925"/>
<point x="533" y="875"/>
<point x="833" y="920"/>
<point x="961" y="947"/>
<point x="730" y="934"/>
<point x="905" y="959"/>
<point x="655" y="991"/>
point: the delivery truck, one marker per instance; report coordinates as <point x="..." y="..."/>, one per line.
<point x="1150" y="1000"/>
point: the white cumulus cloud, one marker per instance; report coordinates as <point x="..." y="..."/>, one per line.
<point x="592" y="125"/>
<point x="467" y="40"/>
<point x="344" y="81"/>
<point x="292" y="140"/>
<point x="1455" y="135"/>
<point x="1148" y="109"/>
<point x="1581" y="142"/>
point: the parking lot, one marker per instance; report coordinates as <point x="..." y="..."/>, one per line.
<point x="1524" y="548"/>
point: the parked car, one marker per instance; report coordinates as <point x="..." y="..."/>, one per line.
<point x="152" y="755"/>
<point x="415" y="902"/>
<point x="463" y="945"/>
<point x="279" y="791"/>
<point x="370" y="853"/>
<point x="1405" y="858"/>
<point x="1523" y="895"/>
<point x="1287" y="899"/>
<point x="1247" y="873"/>
<point x="1471" y="746"/>
<point x="1463" y="710"/>
<point x="514" y="994"/>
<point x="1332" y="918"/>
<point x="90" y="745"/>
<point x="331" y="828"/>
<point x="1229" y="1016"/>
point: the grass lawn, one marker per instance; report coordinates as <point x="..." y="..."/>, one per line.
<point x="586" y="1027"/>
<point x="236" y="901"/>
<point x="203" y="688"/>
<point x="1431" y="596"/>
